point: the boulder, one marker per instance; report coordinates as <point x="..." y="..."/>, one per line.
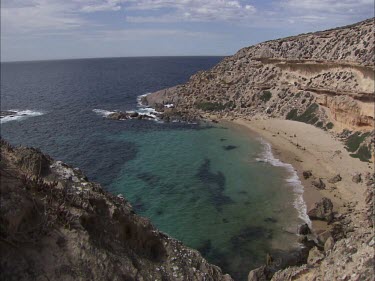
<point x="324" y="236"/>
<point x="319" y="183"/>
<point x="328" y="245"/>
<point x="323" y="210"/>
<point x="133" y="114"/>
<point x="357" y="178"/>
<point x="258" y="274"/>
<point x="304" y="229"/>
<point x="306" y="174"/>
<point x="118" y="116"/>
<point x="335" y="179"/>
<point x="315" y="256"/>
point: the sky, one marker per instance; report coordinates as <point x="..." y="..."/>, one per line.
<point x="63" y="29"/>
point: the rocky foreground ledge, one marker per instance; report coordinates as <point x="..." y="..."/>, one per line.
<point x="57" y="225"/>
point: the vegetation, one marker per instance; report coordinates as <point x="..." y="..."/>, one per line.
<point x="292" y="115"/>
<point x="363" y="153"/>
<point x="308" y="116"/>
<point x="329" y="125"/>
<point x="214" y="106"/>
<point x="266" y="96"/>
<point x="354" y="141"/>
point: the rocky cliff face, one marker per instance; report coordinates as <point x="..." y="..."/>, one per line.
<point x="57" y="225"/>
<point x="324" y="78"/>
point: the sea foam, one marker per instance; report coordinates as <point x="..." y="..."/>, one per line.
<point x="293" y="180"/>
<point x="103" y="112"/>
<point x="19" y="115"/>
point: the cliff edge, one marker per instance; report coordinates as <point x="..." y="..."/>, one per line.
<point x="57" y="225"/>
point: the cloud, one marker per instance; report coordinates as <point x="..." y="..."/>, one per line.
<point x="327" y="11"/>
<point x="101" y="6"/>
<point x="190" y="10"/>
<point x="24" y="16"/>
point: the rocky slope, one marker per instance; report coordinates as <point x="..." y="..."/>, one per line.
<point x="57" y="225"/>
<point x="324" y="78"/>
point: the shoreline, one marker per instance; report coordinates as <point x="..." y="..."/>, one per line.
<point x="308" y="148"/>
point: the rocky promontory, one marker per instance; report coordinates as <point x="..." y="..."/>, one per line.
<point x="57" y="225"/>
<point x="324" y="78"/>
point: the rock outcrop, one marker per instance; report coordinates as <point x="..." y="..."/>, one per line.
<point x="324" y="78"/>
<point x="57" y="225"/>
<point x="322" y="210"/>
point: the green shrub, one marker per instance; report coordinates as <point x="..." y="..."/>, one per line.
<point x="266" y="96"/>
<point x="363" y="153"/>
<point x="214" y="106"/>
<point x="292" y="115"/>
<point x="329" y="125"/>
<point x="354" y="141"/>
<point x="308" y="116"/>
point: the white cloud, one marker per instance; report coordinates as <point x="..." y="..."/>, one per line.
<point x="190" y="10"/>
<point x="101" y="6"/>
<point x="23" y="16"/>
<point x="327" y="10"/>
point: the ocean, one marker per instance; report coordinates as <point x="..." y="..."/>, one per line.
<point x="215" y="187"/>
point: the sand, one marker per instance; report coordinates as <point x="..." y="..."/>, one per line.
<point x="309" y="148"/>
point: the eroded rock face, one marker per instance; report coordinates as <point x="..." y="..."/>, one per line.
<point x="59" y="226"/>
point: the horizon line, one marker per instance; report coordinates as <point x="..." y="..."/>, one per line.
<point x="116" y="57"/>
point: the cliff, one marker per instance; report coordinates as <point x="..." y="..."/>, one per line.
<point x="324" y="78"/>
<point x="57" y="225"/>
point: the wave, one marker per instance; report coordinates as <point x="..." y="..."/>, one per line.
<point x="141" y="109"/>
<point x="18" y="115"/>
<point x="293" y="180"/>
<point x="103" y="112"/>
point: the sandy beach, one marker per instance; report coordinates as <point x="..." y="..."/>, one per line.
<point x="309" y="148"/>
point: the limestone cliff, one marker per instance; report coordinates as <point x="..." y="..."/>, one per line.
<point x="324" y="78"/>
<point x="57" y="225"/>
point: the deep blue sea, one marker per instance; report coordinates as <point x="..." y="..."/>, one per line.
<point x="216" y="188"/>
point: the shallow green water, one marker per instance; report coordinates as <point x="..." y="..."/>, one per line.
<point x="205" y="188"/>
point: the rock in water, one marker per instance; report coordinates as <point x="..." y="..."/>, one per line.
<point x="322" y="210"/>
<point x="304" y="229"/>
<point x="118" y="116"/>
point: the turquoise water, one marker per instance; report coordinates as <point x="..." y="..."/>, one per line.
<point x="201" y="185"/>
<point x="205" y="188"/>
